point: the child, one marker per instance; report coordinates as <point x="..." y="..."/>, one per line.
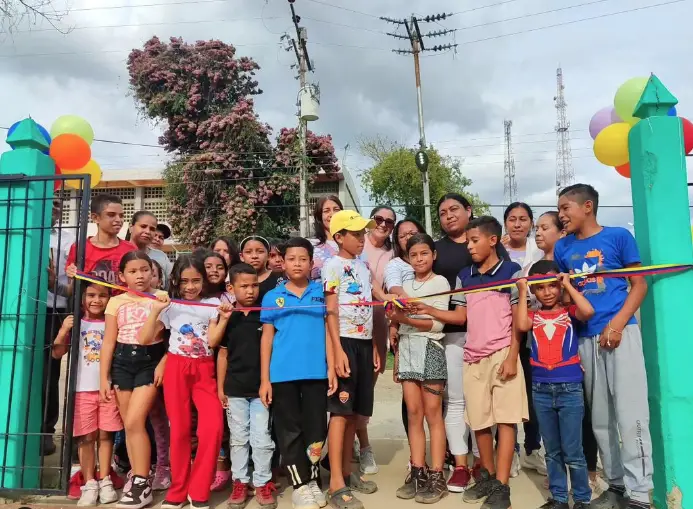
<point x="422" y="370"/>
<point x="610" y="346"/>
<point x="494" y="388"/>
<point x="238" y="385"/>
<point x="557" y="381"/>
<point x="104" y="250"/>
<point x="216" y="272"/>
<point x="347" y="280"/>
<point x="189" y="377"/>
<point x="297" y="372"/>
<point x="135" y="365"/>
<point x="276" y="260"/>
<point x="95" y="421"/>
<point x="255" y="252"/>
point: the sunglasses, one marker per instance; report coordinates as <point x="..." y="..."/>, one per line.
<point x="379" y="220"/>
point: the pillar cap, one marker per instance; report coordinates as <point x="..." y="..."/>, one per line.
<point x="655" y="101"/>
<point x="27" y="135"/>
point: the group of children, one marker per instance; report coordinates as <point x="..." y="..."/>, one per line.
<point x="277" y="351"/>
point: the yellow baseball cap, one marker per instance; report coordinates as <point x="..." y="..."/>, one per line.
<point x="350" y="221"/>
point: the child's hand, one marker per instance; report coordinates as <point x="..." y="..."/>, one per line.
<point x="105" y="391"/>
<point x="224" y="399"/>
<point x="376" y="358"/>
<point x="522" y="285"/>
<point x="225" y="311"/>
<point x="341" y="365"/>
<point x="67" y="324"/>
<point x="161" y="302"/>
<point x="52" y="277"/>
<point x="394" y="339"/>
<point x="419" y="308"/>
<point x="331" y="382"/>
<point x="159" y="374"/>
<point x="505" y="240"/>
<point x="266" y="394"/>
<point x="71" y="270"/>
<point x="564" y="279"/>
<point x="610" y="338"/>
<point x="394" y="314"/>
<point x="507" y="370"/>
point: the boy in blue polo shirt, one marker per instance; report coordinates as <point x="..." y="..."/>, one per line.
<point x="610" y="346"/>
<point x="297" y="373"/>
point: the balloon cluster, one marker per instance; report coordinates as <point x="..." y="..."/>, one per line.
<point x="610" y="126"/>
<point x="69" y="145"/>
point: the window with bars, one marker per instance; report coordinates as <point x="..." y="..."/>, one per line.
<point x="155" y="202"/>
<point x="324" y="188"/>
<point x="65" y="196"/>
<point x="127" y="194"/>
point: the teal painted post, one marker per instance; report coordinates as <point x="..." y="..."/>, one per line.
<point x="25" y="216"/>
<point x="663" y="233"/>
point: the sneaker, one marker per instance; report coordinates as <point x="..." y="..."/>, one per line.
<point x="198" y="505"/>
<point x="636" y="504"/>
<point x="515" y="467"/>
<point x="367" y="463"/>
<point x="483" y="487"/>
<point x="162" y="478"/>
<point x="613" y="498"/>
<point x="107" y="492"/>
<point x="415" y="482"/>
<point x="598" y="486"/>
<point x="499" y="498"/>
<point x="459" y="480"/>
<point x="303" y="498"/>
<point x="265" y="496"/>
<point x="239" y="495"/>
<point x="361" y="485"/>
<point x="221" y="479"/>
<point x="534" y="461"/>
<point x="138" y="496"/>
<point x="553" y="504"/>
<point x="317" y="493"/>
<point x="581" y="505"/>
<point x="74" y="490"/>
<point x="434" y="490"/>
<point x="167" y="504"/>
<point x="90" y="494"/>
<point x="128" y="482"/>
<point x="476" y="471"/>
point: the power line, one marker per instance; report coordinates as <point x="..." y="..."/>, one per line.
<point x="354" y="11"/>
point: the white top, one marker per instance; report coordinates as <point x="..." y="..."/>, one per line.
<point x="397" y="271"/>
<point x="60" y="248"/>
<point x="351" y="281"/>
<point x="436" y="284"/>
<point x="90" y="340"/>
<point x="189" y="327"/>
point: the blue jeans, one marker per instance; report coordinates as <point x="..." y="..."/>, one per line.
<point x="249" y="425"/>
<point x="560" y="408"/>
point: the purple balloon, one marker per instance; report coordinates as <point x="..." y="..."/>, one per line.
<point x="615" y="119"/>
<point x="600" y="120"/>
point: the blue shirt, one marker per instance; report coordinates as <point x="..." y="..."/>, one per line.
<point x="298" y="349"/>
<point x="611" y="248"/>
<point x="554" y="357"/>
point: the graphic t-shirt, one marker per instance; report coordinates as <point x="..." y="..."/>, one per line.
<point x="242" y="342"/>
<point x="554" y="357"/>
<point x="189" y="327"/>
<point x="102" y="262"/>
<point x="322" y="253"/>
<point x="91" y="334"/>
<point x="298" y="349"/>
<point x="611" y="248"/>
<point x="131" y="312"/>
<point x="351" y="281"/>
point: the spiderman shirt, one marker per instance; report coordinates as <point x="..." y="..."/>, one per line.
<point x="555" y="356"/>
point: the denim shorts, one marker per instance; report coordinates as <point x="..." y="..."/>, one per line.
<point x="133" y="365"/>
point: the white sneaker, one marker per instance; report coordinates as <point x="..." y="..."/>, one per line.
<point x="515" y="467"/>
<point x="368" y="466"/>
<point x="303" y="498"/>
<point x="107" y="494"/>
<point x="534" y="461"/>
<point x="317" y="493"/>
<point x="90" y="494"/>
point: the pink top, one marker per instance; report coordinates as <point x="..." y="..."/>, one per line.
<point x="489" y="324"/>
<point x="377" y="258"/>
<point x="131" y="312"/>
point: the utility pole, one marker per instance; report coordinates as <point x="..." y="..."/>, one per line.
<point x="564" y="155"/>
<point x="510" y="183"/>
<point x="415" y="38"/>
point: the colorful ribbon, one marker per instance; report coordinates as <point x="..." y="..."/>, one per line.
<point x="649" y="270"/>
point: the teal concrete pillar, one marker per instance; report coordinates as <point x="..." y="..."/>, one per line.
<point x="663" y="233"/>
<point x="25" y="217"/>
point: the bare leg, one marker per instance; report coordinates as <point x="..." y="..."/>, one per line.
<point x="87" y="457"/>
<point x="433" y="409"/>
<point x="415" y="414"/>
<point x="335" y="438"/>
<point x="105" y="448"/>
<point x="506" y="449"/>
<point x="348" y="449"/>
<point x="484" y="439"/>
<point x="139" y="447"/>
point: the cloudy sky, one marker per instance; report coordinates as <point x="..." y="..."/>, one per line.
<point x="504" y="68"/>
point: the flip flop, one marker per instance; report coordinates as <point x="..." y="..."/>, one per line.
<point x="344" y="499"/>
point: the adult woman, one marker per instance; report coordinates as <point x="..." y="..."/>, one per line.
<point x="519" y="221"/>
<point x="324" y="245"/>
<point x="141" y="233"/>
<point x="227" y="248"/>
<point x="548" y="230"/>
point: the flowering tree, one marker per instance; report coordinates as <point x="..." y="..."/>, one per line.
<point x="226" y="176"/>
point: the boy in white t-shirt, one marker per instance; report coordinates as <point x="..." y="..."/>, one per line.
<point x="95" y="420"/>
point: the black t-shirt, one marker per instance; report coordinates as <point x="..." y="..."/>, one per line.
<point x="451" y="258"/>
<point x="242" y="341"/>
<point x="270" y="284"/>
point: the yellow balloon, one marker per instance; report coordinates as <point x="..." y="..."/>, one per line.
<point x="627" y="98"/>
<point x="92" y="168"/>
<point x="72" y="124"/>
<point x="611" y="144"/>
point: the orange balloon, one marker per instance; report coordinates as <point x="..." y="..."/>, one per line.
<point x="70" y="152"/>
<point x="624" y="170"/>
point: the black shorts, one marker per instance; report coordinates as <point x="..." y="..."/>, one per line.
<point x="133" y="365"/>
<point x="354" y="395"/>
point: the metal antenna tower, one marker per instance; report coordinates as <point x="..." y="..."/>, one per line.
<point x="564" y="156"/>
<point x="510" y="185"/>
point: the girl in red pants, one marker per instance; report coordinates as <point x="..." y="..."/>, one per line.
<point x="189" y="379"/>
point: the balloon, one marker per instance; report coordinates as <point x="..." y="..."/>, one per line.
<point x="627" y="98"/>
<point x="58" y="183"/>
<point x="624" y="170"/>
<point x="672" y="112"/>
<point x="615" y="119"/>
<point x="687" y="126"/>
<point x="600" y="120"/>
<point x="611" y="145"/>
<point x="13" y="127"/>
<point x="70" y="152"/>
<point x="92" y="168"/>
<point x="72" y="124"/>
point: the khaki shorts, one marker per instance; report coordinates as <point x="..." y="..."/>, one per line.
<point x="490" y="400"/>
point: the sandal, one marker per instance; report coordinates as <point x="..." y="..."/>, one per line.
<point x="360" y="484"/>
<point x="344" y="499"/>
<point x="221" y="479"/>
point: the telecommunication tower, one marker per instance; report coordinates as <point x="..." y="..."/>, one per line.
<point x="564" y="156"/>
<point x="510" y="184"/>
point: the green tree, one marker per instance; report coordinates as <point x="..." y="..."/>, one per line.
<point x="395" y="180"/>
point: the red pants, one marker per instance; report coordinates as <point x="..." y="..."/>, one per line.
<point x="185" y="380"/>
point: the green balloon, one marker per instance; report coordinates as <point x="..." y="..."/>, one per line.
<point x="627" y="98"/>
<point x="72" y="124"/>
